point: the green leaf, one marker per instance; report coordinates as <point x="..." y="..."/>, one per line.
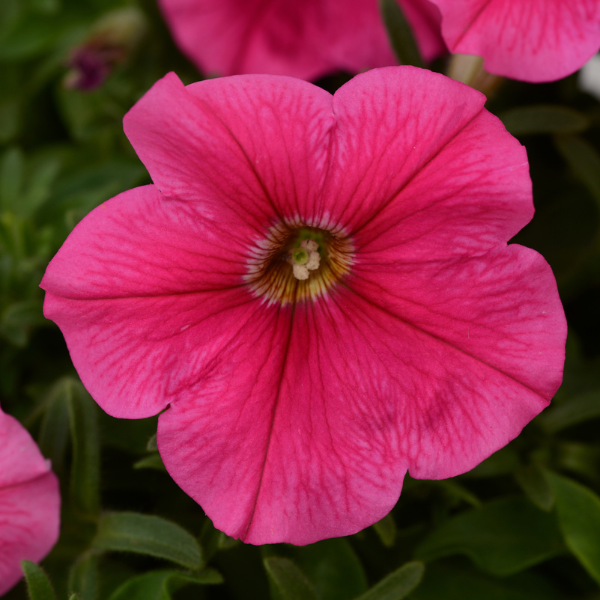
<point x="159" y="585"/>
<point x="41" y="178"/>
<point x="33" y="37"/>
<point x="18" y="319"/>
<point x="536" y="487"/>
<point x="152" y="446"/>
<point x="83" y="577"/>
<point x="503" y="462"/>
<point x="543" y="118"/>
<point x="582" y="459"/>
<point x="11" y="178"/>
<point x="212" y="540"/>
<point x="398" y="584"/>
<point x="458" y="582"/>
<point x="127" y="435"/>
<point x="54" y="431"/>
<point x="10" y="119"/>
<point x="38" y="584"/>
<point x="143" y="534"/>
<point x="287" y="580"/>
<point x="457" y="492"/>
<point x="154" y="461"/>
<point x="570" y="412"/>
<point x="332" y="568"/>
<point x="583" y="159"/>
<point x="501" y="537"/>
<point x="386" y="530"/>
<point x="46" y="6"/>
<point x="578" y="510"/>
<point x="85" y="469"/>
<point x="400" y="34"/>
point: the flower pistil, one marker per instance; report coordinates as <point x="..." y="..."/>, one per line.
<point x="297" y="262"/>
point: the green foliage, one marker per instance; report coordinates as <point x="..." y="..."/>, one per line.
<point x="523" y="525"/>
<point x="578" y="409"/>
<point x="502" y="537"/>
<point x="38" y="584"/>
<point x="83" y="577"/>
<point x="160" y="585"/>
<point x="400" y="34"/>
<point x="287" y="580"/>
<point x="578" y="510"/>
<point x="386" y="530"/>
<point x="455" y="581"/>
<point x="535" y="485"/>
<point x="153" y="461"/>
<point x="542" y="118"/>
<point x="333" y="569"/>
<point x="398" y="584"/>
<point x="85" y="470"/>
<point x="143" y="534"/>
<point x="583" y="159"/>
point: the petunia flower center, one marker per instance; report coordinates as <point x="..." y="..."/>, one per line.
<point x="296" y="262"/>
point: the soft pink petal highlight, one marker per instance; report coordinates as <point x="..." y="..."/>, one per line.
<point x="142" y="287"/>
<point x="299" y="446"/>
<point x="480" y="342"/>
<point x="536" y="40"/>
<point x="300" y="38"/>
<point x="29" y="502"/>
<point x="246" y="149"/>
<point x="296" y="422"/>
<point x="421" y="166"/>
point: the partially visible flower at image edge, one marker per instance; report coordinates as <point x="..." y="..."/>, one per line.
<point x="29" y="502"/>
<point x="318" y="290"/>
<point x="300" y="38"/>
<point x="533" y="40"/>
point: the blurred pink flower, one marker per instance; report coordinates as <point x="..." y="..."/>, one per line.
<point x="530" y="40"/>
<point x="319" y="292"/>
<point x="300" y="38"/>
<point x="29" y="502"/>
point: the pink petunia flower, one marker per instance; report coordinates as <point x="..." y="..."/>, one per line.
<point x="530" y="40"/>
<point x="29" y="502"/>
<point x="300" y="38"/>
<point x="299" y="389"/>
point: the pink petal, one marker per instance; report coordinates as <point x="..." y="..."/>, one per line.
<point x="480" y="348"/>
<point x="247" y="149"/>
<point x="302" y="38"/>
<point x="425" y="20"/>
<point x="20" y="458"/>
<point x="294" y="423"/>
<point x="143" y="287"/>
<point x="29" y="502"/>
<point x="431" y="367"/>
<point x="536" y="40"/>
<point x="420" y="165"/>
<point x="288" y="440"/>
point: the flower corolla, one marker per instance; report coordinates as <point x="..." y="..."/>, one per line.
<point x="300" y="38"/>
<point x="29" y="502"/>
<point x="295" y="400"/>
<point x="532" y="40"/>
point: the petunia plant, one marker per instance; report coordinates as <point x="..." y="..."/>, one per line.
<point x="335" y="281"/>
<point x="318" y="291"/>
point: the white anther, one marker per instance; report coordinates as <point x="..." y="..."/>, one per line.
<point x="314" y="259"/>
<point x="309" y="245"/>
<point x="300" y="272"/>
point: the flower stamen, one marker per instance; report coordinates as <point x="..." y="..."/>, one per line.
<point x="298" y="262"/>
